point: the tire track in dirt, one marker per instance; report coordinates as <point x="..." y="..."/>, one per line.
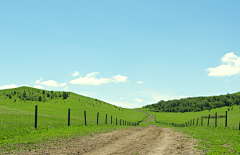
<point x="152" y="140"/>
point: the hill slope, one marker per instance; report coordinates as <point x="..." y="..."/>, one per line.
<point x="53" y="108"/>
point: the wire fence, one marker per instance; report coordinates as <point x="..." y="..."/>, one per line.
<point x="213" y="120"/>
<point x="16" y="122"/>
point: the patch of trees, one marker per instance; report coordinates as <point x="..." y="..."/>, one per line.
<point x="195" y="104"/>
<point x="36" y="95"/>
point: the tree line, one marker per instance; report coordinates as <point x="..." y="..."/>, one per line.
<point x="194" y="104"/>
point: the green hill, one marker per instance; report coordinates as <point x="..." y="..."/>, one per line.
<point x="17" y="112"/>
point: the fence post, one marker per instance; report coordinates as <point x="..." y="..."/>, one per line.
<point x="69" y="117"/>
<point x="111" y="119"/>
<point x="97" y="117"/>
<point x="197" y="122"/>
<point x="120" y="121"/>
<point x="226" y="120"/>
<point x="36" y="109"/>
<point x="106" y="119"/>
<point x="201" y="121"/>
<point x="191" y="122"/>
<point x="85" y="117"/>
<point x="123" y="122"/>
<point x="116" y="120"/>
<point x="239" y="126"/>
<point x="208" y="120"/>
<point x="215" y="119"/>
<point x="188" y="123"/>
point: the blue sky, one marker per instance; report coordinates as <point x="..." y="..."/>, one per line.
<point x="128" y="53"/>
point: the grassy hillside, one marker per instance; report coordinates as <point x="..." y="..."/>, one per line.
<point x="17" y="114"/>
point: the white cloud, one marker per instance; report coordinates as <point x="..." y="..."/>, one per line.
<point x="231" y="66"/>
<point x="76" y="73"/>
<point x="66" y="88"/>
<point x="91" y="80"/>
<point x="120" y="98"/>
<point x="53" y="83"/>
<point x="39" y="80"/>
<point x="119" y="78"/>
<point x="125" y="104"/>
<point x="138" y="100"/>
<point x="8" y="86"/>
<point x="39" y="87"/>
<point x="157" y="97"/>
<point x="93" y="74"/>
<point x="140" y="82"/>
<point x="226" y="80"/>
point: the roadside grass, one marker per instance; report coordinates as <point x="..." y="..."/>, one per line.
<point x="211" y="140"/>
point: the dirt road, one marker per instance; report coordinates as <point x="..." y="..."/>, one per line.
<point x="152" y="140"/>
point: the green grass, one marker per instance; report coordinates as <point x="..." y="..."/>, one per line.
<point x="17" y="117"/>
<point x="213" y="140"/>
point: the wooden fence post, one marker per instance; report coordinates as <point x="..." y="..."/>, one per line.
<point x="201" y="121"/>
<point x="106" y="119"/>
<point x="239" y="126"/>
<point x="226" y="120"/>
<point x="97" y="117"/>
<point x="215" y="119"/>
<point x="197" y="121"/>
<point x="116" y="120"/>
<point x="193" y="121"/>
<point x="111" y="119"/>
<point x="85" y="117"/>
<point x="120" y="121"/>
<point x="36" y="109"/>
<point x="208" y="120"/>
<point x="69" y="117"/>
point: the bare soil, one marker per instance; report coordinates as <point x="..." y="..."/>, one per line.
<point x="152" y="140"/>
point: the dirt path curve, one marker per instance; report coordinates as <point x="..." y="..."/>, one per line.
<point x="150" y="116"/>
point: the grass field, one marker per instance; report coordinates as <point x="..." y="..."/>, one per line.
<point x="17" y="117"/>
<point x="17" y="121"/>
